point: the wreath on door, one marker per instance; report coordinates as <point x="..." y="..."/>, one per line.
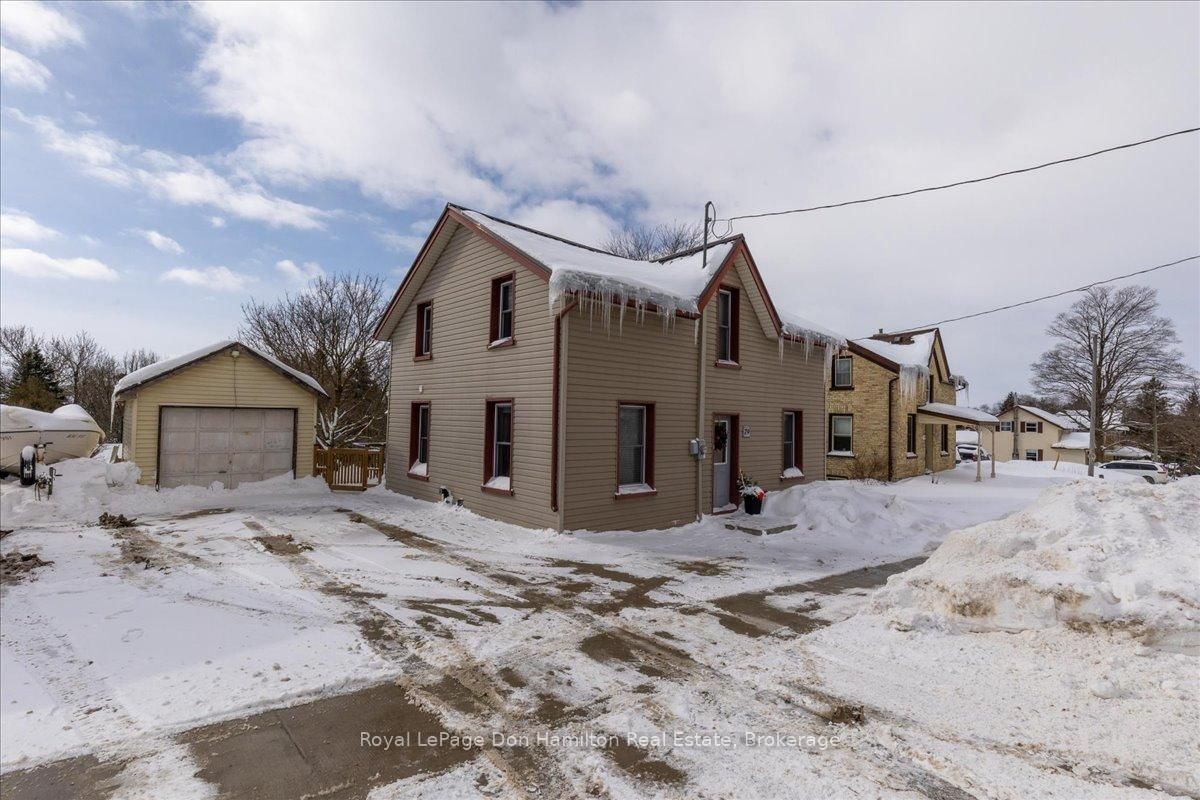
<point x="720" y="436"/>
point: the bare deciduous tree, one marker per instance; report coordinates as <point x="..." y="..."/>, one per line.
<point x="326" y="331"/>
<point x="1120" y="331"/>
<point x="133" y="360"/>
<point x="73" y="357"/>
<point x="647" y="243"/>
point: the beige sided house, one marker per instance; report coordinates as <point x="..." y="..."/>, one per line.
<point x="225" y="413"/>
<point x="1028" y="433"/>
<point x="553" y="385"/>
<point x="1034" y="434"/>
<point x="891" y="405"/>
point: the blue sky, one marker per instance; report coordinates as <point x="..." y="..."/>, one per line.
<point x="171" y="157"/>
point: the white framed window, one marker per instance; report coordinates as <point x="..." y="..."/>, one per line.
<point x="727" y="325"/>
<point x="498" y="452"/>
<point x="841" y="433"/>
<point x="843" y="372"/>
<point x="1006" y="426"/>
<point x="504" y="291"/>
<point x="1031" y="455"/>
<point x="504" y="311"/>
<point x="424" y="330"/>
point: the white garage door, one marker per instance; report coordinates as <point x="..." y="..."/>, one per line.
<point x="229" y="445"/>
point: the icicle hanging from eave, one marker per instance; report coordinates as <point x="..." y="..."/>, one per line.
<point x="911" y="377"/>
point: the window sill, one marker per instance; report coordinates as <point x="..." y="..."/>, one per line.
<point x="721" y="364"/>
<point x="496" y="491"/>
<point x="790" y="479"/>
<point x="945" y="452"/>
<point x="841" y="388"/>
<point x="841" y="453"/>
<point x="499" y="343"/>
<point x="416" y="476"/>
<point x="910" y="455"/>
<point x="426" y="357"/>
<point x="625" y="493"/>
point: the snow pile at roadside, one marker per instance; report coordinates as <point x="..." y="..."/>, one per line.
<point x="87" y="487"/>
<point x="1086" y="555"/>
<point x="862" y="515"/>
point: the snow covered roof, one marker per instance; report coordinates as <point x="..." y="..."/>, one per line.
<point x="800" y="327"/>
<point x="161" y="368"/>
<point x="969" y="416"/>
<point x="1081" y="419"/>
<point x="1062" y="421"/>
<point x="902" y="349"/>
<point x="1075" y="440"/>
<point x="673" y="284"/>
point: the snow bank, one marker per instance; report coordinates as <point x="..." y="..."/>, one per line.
<point x="87" y="487"/>
<point x="855" y="515"/>
<point x="1085" y="555"/>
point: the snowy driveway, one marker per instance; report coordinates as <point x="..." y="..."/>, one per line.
<point x="290" y="643"/>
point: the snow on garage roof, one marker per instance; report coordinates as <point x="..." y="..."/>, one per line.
<point x="161" y="368"/>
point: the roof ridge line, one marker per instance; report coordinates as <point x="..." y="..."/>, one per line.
<point x="528" y="229"/>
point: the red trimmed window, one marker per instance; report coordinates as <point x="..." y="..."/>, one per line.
<point x="503" y="316"/>
<point x="418" y="441"/>
<point x="793" y="444"/>
<point x="498" y="450"/>
<point x="727" y="324"/>
<point x="635" y="447"/>
<point x="424" y="347"/>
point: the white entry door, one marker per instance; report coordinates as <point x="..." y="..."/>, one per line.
<point x="198" y="446"/>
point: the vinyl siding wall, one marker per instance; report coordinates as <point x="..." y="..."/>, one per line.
<point x="637" y="362"/>
<point x="767" y="384"/>
<point x="463" y="373"/>
<point x="644" y="363"/>
<point x="1049" y="436"/>
<point x="217" y="381"/>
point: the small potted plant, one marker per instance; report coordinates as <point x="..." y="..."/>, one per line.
<point x="752" y="494"/>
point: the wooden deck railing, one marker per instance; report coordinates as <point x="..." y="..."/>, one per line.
<point x="349" y="468"/>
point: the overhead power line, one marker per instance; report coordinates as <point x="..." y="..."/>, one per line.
<point x="1083" y="288"/>
<point x="1125" y="146"/>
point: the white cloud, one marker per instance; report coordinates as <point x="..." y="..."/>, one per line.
<point x="399" y="242"/>
<point x="18" y="69"/>
<point x="38" y="25"/>
<point x="32" y="264"/>
<point x="651" y="109"/>
<point x="569" y="219"/>
<point x="161" y="242"/>
<point x="220" y="279"/>
<point x="18" y="227"/>
<point x="217" y="222"/>
<point x="304" y="273"/>
<point x="182" y="180"/>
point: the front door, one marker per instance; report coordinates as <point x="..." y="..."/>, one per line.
<point x="722" y="461"/>
<point x="932" y="443"/>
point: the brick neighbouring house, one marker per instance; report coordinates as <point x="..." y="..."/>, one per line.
<point x="891" y="406"/>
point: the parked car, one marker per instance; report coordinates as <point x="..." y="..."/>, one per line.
<point x="1148" y="470"/>
<point x="968" y="452"/>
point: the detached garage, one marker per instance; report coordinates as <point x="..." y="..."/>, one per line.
<point x="226" y="413"/>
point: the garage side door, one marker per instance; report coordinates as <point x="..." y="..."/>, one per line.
<point x="230" y="446"/>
